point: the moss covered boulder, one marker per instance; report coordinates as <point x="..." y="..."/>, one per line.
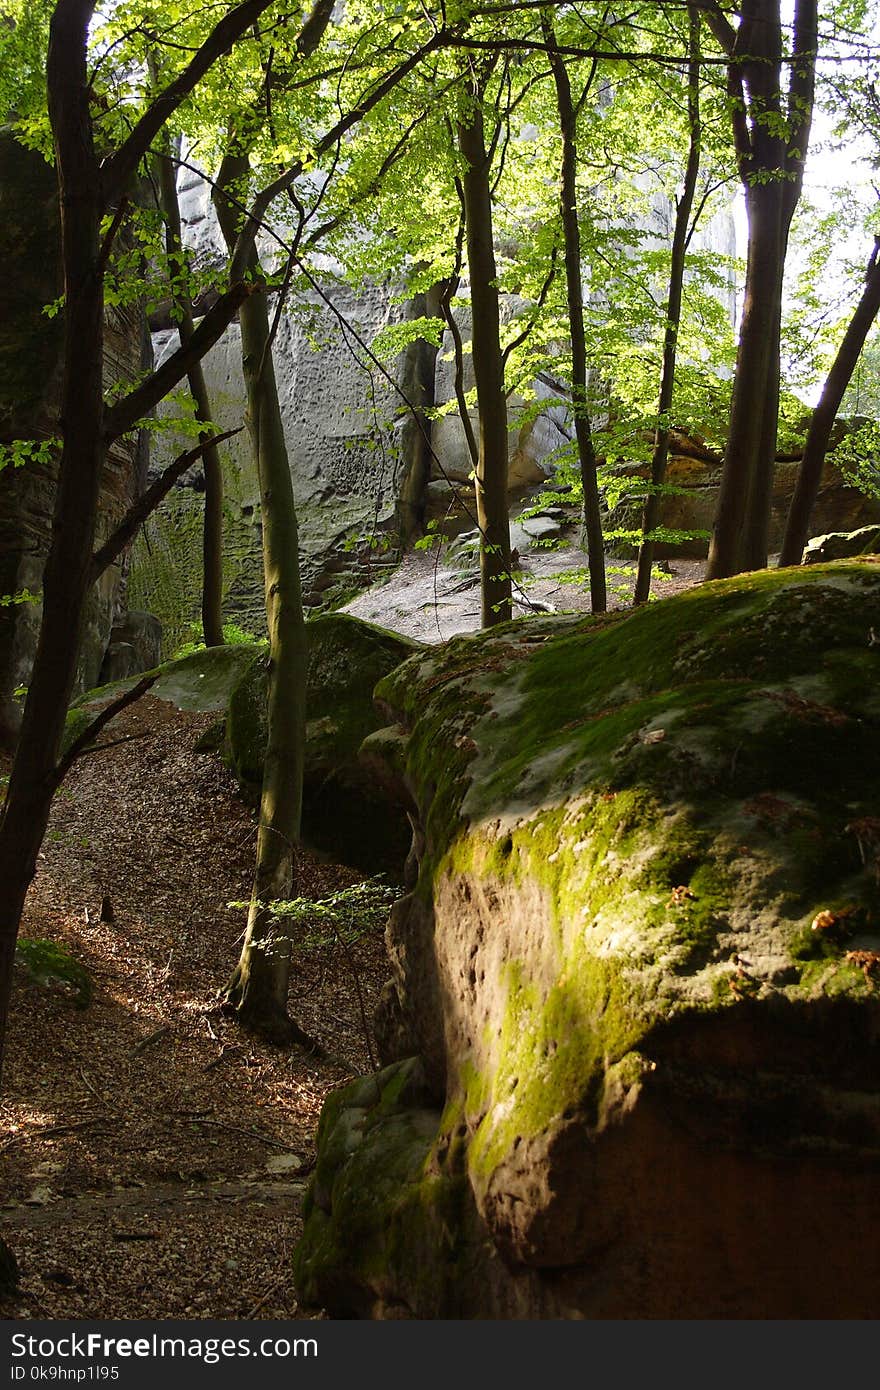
<point x="345" y="809"/>
<point x="640" y="967"/>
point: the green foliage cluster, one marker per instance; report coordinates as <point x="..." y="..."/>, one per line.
<point x="858" y="457"/>
<point x="17" y="453"/>
<point x="233" y="636"/>
<point x="342" y="918"/>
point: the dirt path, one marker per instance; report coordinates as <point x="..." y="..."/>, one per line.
<point x="153" y="1156"/>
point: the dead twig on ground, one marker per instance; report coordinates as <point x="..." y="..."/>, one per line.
<point x="236" y="1129"/>
<point x="151" y="1038"/>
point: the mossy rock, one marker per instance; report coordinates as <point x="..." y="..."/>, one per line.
<point x="201" y="682"/>
<point x="344" y="811"/>
<point x="382" y="1194"/>
<point x="842" y="545"/>
<point x="646" y="932"/>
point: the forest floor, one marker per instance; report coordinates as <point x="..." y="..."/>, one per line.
<point x="154" y="1156"/>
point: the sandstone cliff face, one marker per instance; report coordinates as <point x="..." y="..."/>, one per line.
<point x="636" y="980"/>
<point x="30" y="382"/>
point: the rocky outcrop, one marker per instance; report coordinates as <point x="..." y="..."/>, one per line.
<point x="691" y="497"/>
<point x="638" y="972"/>
<point x="30" y="384"/>
<point x="842" y="545"/>
<point x="344" y="809"/>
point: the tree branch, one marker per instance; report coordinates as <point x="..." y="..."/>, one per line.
<point x="124" y="414"/>
<point x="722" y="29"/>
<point x="92" y="729"/>
<point x="801" y="93"/>
<point x="149" y="501"/>
<point x="351" y="118"/>
<point x="120" y="166"/>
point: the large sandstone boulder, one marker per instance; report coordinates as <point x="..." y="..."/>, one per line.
<point x="344" y="809"/>
<point x="638" y="971"/>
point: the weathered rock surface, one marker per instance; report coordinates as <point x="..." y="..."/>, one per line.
<point x="341" y="459"/>
<point x="638" y="971"/>
<point x="30" y="383"/>
<point x="691" y="503"/>
<point x="362" y="468"/>
<point x="842" y="545"/>
<point x="344" y="809"/>
<point x="135" y="645"/>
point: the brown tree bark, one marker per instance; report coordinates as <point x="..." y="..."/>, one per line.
<point x="571" y="233"/>
<point x="771" y="141"/>
<point x="417" y="375"/>
<point x="67" y="572"/>
<point x="822" y="421"/>
<point x="680" y="234"/>
<point x="492" y="506"/>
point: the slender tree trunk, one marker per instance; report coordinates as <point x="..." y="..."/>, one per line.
<point x="756" y="530"/>
<point x="771" y="141"/>
<point x="681" y="231"/>
<point x="838" y="379"/>
<point x="492" y="505"/>
<point x="417" y="383"/>
<point x="67" y="575"/>
<point x="212" y="533"/>
<point x="575" y="292"/>
<point x="258" y="988"/>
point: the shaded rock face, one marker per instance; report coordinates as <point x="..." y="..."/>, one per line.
<point x="345" y="470"/>
<point x="135" y="645"/>
<point x="839" y="507"/>
<point x="639" y="971"/>
<point x="31" y="349"/>
<point x="345" y="810"/>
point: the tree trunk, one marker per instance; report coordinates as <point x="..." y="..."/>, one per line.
<point x="67" y="574"/>
<point x="651" y="511"/>
<point x="756" y="529"/>
<point x="417" y="384"/>
<point x="838" y="379"/>
<point x="771" y="145"/>
<point x="568" y="210"/>
<point x="756" y="363"/>
<point x="492" y="506"/>
<point x="258" y="988"/>
<point x="212" y="533"/>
